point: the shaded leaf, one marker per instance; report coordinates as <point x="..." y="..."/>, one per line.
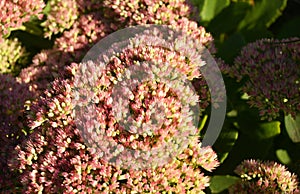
<point x="263" y="14"/>
<point x="292" y="126"/>
<point x="231" y="47"/>
<point x="225" y="142"/>
<point x="290" y="28"/>
<point x="229" y="18"/>
<point x="250" y="125"/>
<point x="283" y="156"/>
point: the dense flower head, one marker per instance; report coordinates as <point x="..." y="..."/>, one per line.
<point x="133" y="12"/>
<point x="88" y="29"/>
<point x="11" y="52"/>
<point x="264" y="177"/>
<point x="61" y="16"/>
<point x="70" y="47"/>
<point x="85" y="7"/>
<point x="14" y="13"/>
<point x="56" y="158"/>
<point x="14" y="96"/>
<point x="270" y="70"/>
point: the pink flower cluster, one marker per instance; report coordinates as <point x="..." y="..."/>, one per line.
<point x="61" y="16"/>
<point x="133" y="12"/>
<point x="13" y="13"/>
<point x="14" y="96"/>
<point x="54" y="157"/>
<point x="270" y="70"/>
<point x="264" y="177"/>
<point x="70" y="47"/>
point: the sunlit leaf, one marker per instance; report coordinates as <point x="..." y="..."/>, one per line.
<point x="220" y="183"/>
<point x="283" y="156"/>
<point x="211" y="8"/>
<point x="263" y="14"/>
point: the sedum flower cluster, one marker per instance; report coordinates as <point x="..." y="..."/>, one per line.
<point x="13" y="13"/>
<point x="56" y="159"/>
<point x="14" y="96"/>
<point x="270" y="71"/>
<point x="61" y="16"/>
<point x="11" y="52"/>
<point x="47" y="65"/>
<point x="133" y="12"/>
<point x="264" y="177"/>
<point x="51" y="154"/>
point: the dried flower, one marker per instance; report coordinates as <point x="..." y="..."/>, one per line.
<point x="271" y="71"/>
<point x="264" y="177"/>
<point x="14" y="13"/>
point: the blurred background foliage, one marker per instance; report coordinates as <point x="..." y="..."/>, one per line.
<point x="234" y="24"/>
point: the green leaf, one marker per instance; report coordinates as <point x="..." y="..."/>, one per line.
<point x="250" y="125"/>
<point x="231" y="47"/>
<point x="283" y="156"/>
<point x="203" y="122"/>
<point x="292" y="126"/>
<point x="47" y="8"/>
<point x="263" y="14"/>
<point x="228" y="19"/>
<point x="211" y="8"/>
<point x="225" y="142"/>
<point x="289" y="28"/>
<point x="268" y="130"/>
<point x="220" y="183"/>
<point x="244" y="148"/>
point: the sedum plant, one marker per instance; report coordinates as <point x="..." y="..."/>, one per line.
<point x="11" y="53"/>
<point x="14" y="13"/>
<point x="56" y="158"/>
<point x="265" y="68"/>
<point x="264" y="177"/>
<point x="61" y="16"/>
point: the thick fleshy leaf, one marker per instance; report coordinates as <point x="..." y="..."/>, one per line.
<point x="289" y="28"/>
<point x="225" y="142"/>
<point x="220" y="183"/>
<point x="292" y="126"/>
<point x="228" y="19"/>
<point x="268" y="130"/>
<point x="232" y="46"/>
<point x="211" y="8"/>
<point x="263" y="14"/>
<point x="283" y="156"/>
<point x="250" y="125"/>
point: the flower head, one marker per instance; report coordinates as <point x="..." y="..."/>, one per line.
<point x="264" y="177"/>
<point x="271" y="71"/>
<point x="14" y="96"/>
<point x="133" y="12"/>
<point x="11" y="52"/>
<point x="69" y="48"/>
<point x="14" y="13"/>
<point x="61" y="16"/>
<point x="56" y="158"/>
